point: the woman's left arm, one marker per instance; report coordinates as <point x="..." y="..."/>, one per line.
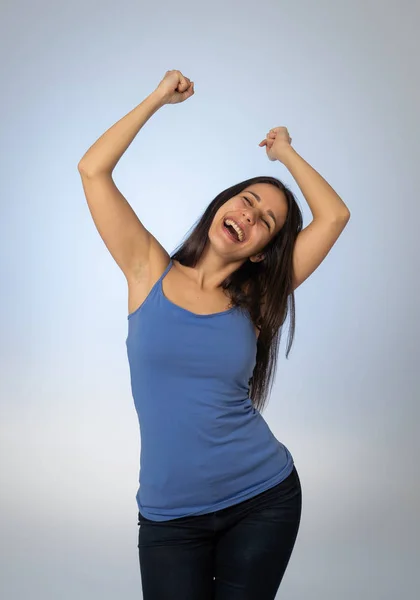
<point x="330" y="214"/>
<point x="322" y="200"/>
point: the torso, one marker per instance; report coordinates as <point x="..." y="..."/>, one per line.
<point x="179" y="289"/>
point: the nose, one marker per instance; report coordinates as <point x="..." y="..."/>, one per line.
<point x="249" y="215"/>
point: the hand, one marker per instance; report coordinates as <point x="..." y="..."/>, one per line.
<point x="175" y="88"/>
<point x="277" y="141"/>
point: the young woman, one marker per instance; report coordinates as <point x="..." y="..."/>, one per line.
<point x="219" y="498"/>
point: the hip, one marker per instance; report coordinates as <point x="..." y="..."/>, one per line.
<point x="284" y="497"/>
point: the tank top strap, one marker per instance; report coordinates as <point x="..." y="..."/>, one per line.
<point x="165" y="271"/>
<point x="154" y="290"/>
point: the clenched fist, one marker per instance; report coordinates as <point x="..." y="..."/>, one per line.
<point x="175" y="88"/>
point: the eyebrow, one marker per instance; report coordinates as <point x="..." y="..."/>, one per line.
<point x="269" y="212"/>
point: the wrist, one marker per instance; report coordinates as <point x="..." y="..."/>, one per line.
<point x="158" y="98"/>
<point x="285" y="153"/>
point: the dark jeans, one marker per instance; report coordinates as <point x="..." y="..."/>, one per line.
<point x="237" y="553"/>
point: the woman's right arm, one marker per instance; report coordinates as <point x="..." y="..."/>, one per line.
<point x="126" y="238"/>
<point x="105" y="153"/>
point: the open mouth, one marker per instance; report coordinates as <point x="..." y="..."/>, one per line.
<point x="232" y="232"/>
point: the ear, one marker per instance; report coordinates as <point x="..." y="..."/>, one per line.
<point x="257" y="258"/>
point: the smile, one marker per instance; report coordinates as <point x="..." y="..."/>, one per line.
<point x="233" y="230"/>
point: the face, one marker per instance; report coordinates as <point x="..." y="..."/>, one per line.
<point x="259" y="211"/>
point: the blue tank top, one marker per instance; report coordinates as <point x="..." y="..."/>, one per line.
<point x="204" y="446"/>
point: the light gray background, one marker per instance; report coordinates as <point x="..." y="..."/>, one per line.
<point x="344" y="78"/>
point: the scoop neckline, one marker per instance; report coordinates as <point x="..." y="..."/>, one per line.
<point x="216" y="314"/>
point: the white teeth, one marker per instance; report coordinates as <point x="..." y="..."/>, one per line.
<point x="236" y="227"/>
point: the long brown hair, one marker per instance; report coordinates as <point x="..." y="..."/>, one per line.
<point x="270" y="279"/>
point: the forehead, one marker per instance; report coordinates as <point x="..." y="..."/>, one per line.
<point x="269" y="197"/>
<point x="268" y="194"/>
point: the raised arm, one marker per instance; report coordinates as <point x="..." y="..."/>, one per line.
<point x="129" y="242"/>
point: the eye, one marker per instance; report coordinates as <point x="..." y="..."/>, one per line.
<point x="250" y="203"/>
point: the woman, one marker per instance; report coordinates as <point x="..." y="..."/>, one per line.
<point x="219" y="497"/>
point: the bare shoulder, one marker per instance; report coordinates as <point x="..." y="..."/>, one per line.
<point x="143" y="277"/>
